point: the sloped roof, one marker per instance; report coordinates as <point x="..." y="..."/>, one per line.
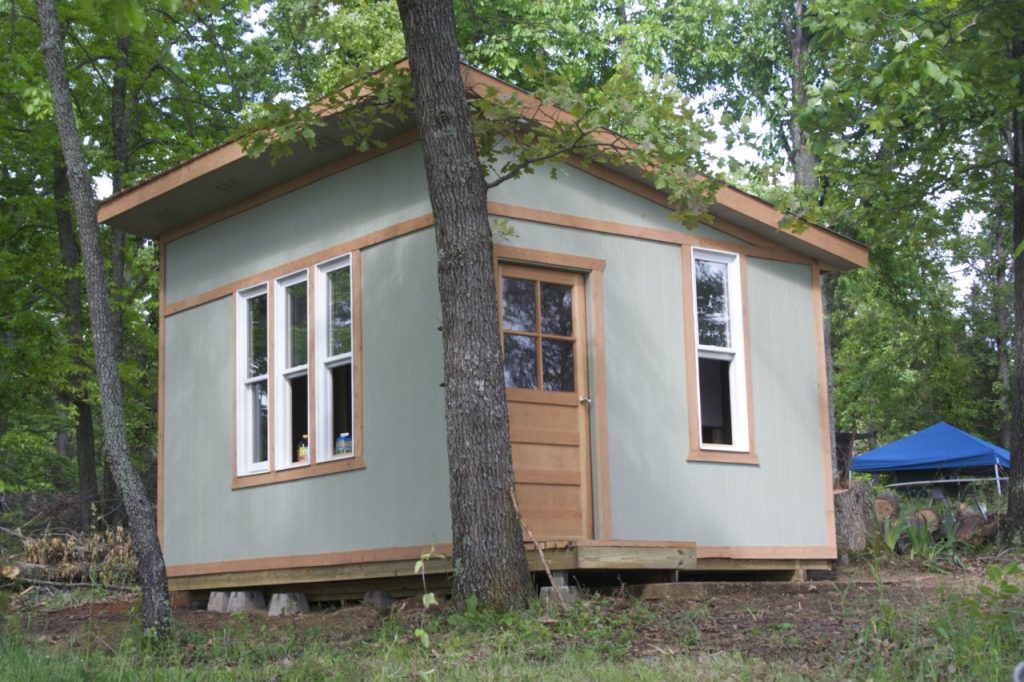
<point x="226" y="176"/>
<point x="940" y="446"/>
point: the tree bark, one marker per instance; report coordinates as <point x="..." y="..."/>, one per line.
<point x="85" y="444"/>
<point x="489" y="557"/>
<point x="156" y="611"/>
<point x="1015" y="500"/>
<point x="802" y="159"/>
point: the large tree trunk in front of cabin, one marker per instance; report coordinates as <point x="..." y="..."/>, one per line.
<point x="156" y="607"/>
<point x="1015" y="501"/>
<point x="489" y="557"/>
<point x="85" y="444"/>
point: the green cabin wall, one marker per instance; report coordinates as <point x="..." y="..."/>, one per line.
<point x="401" y="497"/>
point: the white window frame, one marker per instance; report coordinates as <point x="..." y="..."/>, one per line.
<point x="245" y="445"/>
<point x="735" y="353"/>
<point x="281" y="411"/>
<point x="325" y="445"/>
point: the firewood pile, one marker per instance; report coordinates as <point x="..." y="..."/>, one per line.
<point x="100" y="558"/>
<point x="972" y="527"/>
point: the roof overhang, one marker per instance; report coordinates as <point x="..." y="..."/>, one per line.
<point x="226" y="178"/>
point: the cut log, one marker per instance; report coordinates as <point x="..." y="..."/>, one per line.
<point x="974" y="530"/>
<point x="927" y="517"/>
<point x="853" y="517"/>
<point x="887" y="506"/>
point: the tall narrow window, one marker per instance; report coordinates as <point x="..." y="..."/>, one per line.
<point x="334" y="385"/>
<point x="253" y="373"/>
<point x="291" y="351"/>
<point x="720" y="361"/>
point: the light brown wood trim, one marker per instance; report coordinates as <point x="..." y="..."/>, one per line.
<point x="814" y="235"/>
<point x="696" y="453"/>
<point x="734" y="199"/>
<point x="603" y="472"/>
<point x="385" y="234"/>
<point x="509" y="254"/>
<point x="690" y="349"/>
<point x="161" y="399"/>
<point x="723" y="456"/>
<point x="652" y="544"/>
<point x="296" y="183"/>
<point x="770" y="552"/>
<point x="293" y="474"/>
<point x="749" y="364"/>
<point x="175" y="177"/>
<point x="412" y="553"/>
<point x="548" y="477"/>
<point x="826" y="441"/>
<point x="637" y="232"/>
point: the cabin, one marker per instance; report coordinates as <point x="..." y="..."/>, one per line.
<point x="666" y="386"/>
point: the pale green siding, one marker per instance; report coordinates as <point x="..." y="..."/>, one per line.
<point x="369" y="197"/>
<point x="401" y="498"/>
<point x="655" y="493"/>
<point x="578" y="193"/>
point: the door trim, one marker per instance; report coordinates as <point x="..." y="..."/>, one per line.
<point x="599" y="492"/>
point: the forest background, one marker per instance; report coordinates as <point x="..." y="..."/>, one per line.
<point x="891" y="122"/>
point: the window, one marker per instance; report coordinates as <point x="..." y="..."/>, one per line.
<point x="537" y="335"/>
<point x="334" y="360"/>
<point x="297" y="410"/>
<point x="291" y="371"/>
<point x="253" y="397"/>
<point x="721" y="365"/>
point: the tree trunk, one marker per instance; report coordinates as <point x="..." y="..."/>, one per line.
<point x="489" y="558"/>
<point x="855" y="518"/>
<point x="1015" y="500"/>
<point x="1001" y="310"/>
<point x="156" y="611"/>
<point x="85" y="445"/>
<point x="800" y="152"/>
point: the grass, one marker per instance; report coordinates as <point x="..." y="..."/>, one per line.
<point x="949" y="635"/>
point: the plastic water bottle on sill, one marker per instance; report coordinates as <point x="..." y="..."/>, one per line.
<point x="343" y="444"/>
<point x="303" y="451"/>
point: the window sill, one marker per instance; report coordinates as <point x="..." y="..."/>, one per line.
<point x="723" y="457"/>
<point x="296" y="473"/>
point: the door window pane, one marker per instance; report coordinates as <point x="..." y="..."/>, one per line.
<point x="295" y="335"/>
<point x="520" y="361"/>
<point x="339" y="310"/>
<point x="556" y="309"/>
<point x="257" y="321"/>
<point x="712" y="303"/>
<point x="518" y="304"/>
<point x="559" y="367"/>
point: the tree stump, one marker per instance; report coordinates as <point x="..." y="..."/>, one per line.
<point x="853" y="517"/>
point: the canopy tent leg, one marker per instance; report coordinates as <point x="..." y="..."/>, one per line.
<point x="999" y="485"/>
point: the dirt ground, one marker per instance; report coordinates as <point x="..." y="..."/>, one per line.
<point x="807" y="624"/>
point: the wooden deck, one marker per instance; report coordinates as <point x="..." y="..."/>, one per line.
<point x="397" y="576"/>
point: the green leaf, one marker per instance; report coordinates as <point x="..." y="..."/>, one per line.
<point x="423" y="637"/>
<point x="934" y="72"/>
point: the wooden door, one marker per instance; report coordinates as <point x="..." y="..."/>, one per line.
<point x="544" y="338"/>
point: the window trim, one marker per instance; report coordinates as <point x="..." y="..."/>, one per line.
<point x="268" y="281"/>
<point x="282" y="373"/>
<point x="742" y="451"/>
<point x="324" y="449"/>
<point x="244" y="465"/>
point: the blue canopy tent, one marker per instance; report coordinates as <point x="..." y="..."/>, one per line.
<point x="940" y="447"/>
